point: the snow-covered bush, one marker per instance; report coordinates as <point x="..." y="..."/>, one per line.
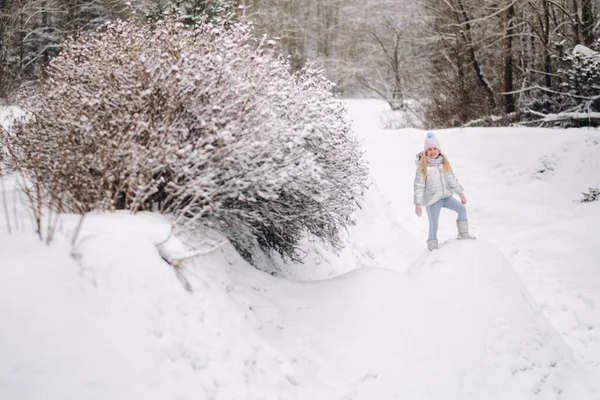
<point x="592" y="195"/>
<point x="199" y="123"/>
<point x="577" y="102"/>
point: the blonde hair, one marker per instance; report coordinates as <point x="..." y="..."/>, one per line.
<point x="445" y="164"/>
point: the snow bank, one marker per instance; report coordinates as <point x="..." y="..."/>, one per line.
<point x="458" y="325"/>
<point x="115" y="321"/>
<point x="584" y="50"/>
<point x="564" y="278"/>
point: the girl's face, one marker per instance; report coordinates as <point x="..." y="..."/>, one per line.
<point x="432" y="153"/>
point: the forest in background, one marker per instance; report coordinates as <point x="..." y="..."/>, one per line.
<point x="451" y="62"/>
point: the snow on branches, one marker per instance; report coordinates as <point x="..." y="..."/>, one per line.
<point x="196" y="122"/>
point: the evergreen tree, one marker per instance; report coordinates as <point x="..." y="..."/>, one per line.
<point x="578" y="96"/>
<point x="190" y="11"/>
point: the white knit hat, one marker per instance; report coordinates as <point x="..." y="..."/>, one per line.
<point x="432" y="142"/>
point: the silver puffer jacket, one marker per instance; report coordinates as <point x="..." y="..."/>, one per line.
<point x="437" y="186"/>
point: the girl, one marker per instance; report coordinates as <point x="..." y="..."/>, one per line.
<point x="435" y="184"/>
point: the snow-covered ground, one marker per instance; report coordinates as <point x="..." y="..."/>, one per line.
<point x="8" y="113"/>
<point x="512" y="315"/>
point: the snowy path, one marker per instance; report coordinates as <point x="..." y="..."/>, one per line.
<point x="523" y="186"/>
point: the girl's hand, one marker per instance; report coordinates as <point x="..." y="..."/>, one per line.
<point x="418" y="210"/>
<point x="463" y="199"/>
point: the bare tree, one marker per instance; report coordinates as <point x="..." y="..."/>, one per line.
<point x="509" y="99"/>
<point x="588" y="22"/>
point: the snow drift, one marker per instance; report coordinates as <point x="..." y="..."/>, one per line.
<point x="116" y="322"/>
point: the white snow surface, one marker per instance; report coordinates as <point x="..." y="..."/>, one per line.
<point x="8" y="114"/>
<point x="512" y="315"/>
<point x="584" y="50"/>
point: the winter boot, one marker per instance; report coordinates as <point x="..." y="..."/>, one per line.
<point x="432" y="244"/>
<point x="463" y="230"/>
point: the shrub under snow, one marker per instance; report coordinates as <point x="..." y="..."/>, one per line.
<point x="577" y="102"/>
<point x="198" y="123"/>
<point x="592" y="195"/>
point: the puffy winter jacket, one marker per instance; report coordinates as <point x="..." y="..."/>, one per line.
<point x="438" y="184"/>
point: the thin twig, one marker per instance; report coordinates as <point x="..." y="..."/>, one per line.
<point x="5" y="203"/>
<point x="77" y="230"/>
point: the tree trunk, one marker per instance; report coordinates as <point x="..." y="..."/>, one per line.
<point x="3" y="46"/>
<point x="45" y="57"/>
<point x="547" y="55"/>
<point x="577" y="24"/>
<point x="483" y="82"/>
<point x="464" y="93"/>
<point x="509" y="99"/>
<point x="21" y="45"/>
<point x="327" y="24"/>
<point x="587" y="22"/>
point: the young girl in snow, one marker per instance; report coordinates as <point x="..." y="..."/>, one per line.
<point x="435" y="184"/>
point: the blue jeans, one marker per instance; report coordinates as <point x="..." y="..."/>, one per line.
<point x="433" y="212"/>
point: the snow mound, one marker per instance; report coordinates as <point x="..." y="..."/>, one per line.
<point x="568" y="288"/>
<point x="459" y="324"/>
<point x="584" y="50"/>
<point x="109" y="318"/>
